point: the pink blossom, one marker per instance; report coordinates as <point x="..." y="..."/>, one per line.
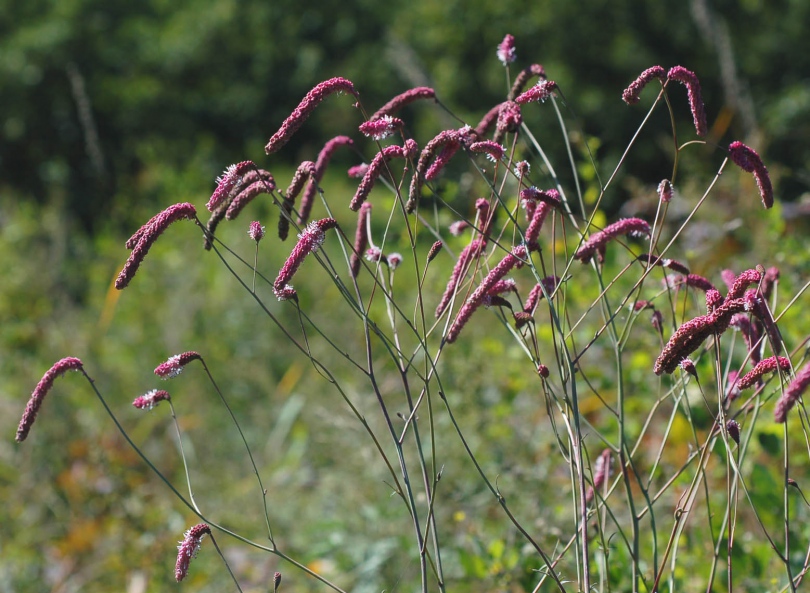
<point x="792" y="394"/>
<point x="466" y="257"/>
<point x="188" y="549"/>
<point x="492" y="149"/>
<point x="305" y="108"/>
<point x="514" y="259"/>
<point x="523" y="77"/>
<point x="306" y="170"/>
<point x="148" y="237"/>
<point x="434" y="251"/>
<point x="377" y="166"/>
<point x="488" y="120"/>
<point x="546" y="201"/>
<point x="357" y="171"/>
<point x="601" y="474"/>
<point x="732" y="386"/>
<point x="522" y="169"/>
<point x="690" y="81"/>
<point x="374" y="254"/>
<point x="733" y="430"/>
<point x="632" y="93"/>
<point x="41" y="390"/>
<point x="321" y="163"/>
<point x="424" y="169"/>
<point x="749" y="161"/>
<point x="595" y="245"/>
<point x="406" y="98"/>
<point x="689" y="367"/>
<point x="309" y="241"/>
<point x="379" y="129"/>
<point x="539" y="92"/>
<point x="256" y="231"/>
<point x="509" y="119"/>
<point x="252" y="186"/>
<point x="506" y="50"/>
<point x="394" y="260"/>
<point x="547" y="284"/>
<point x="175" y="364"/>
<point x="149" y="400"/>
<point x="543" y="371"/>
<point x="683" y="342"/>
<point x="230" y="179"/>
<point x="665" y="190"/>
<point x="458" y="227"/>
<point x="360" y="239"/>
<point x="767" y="365"/>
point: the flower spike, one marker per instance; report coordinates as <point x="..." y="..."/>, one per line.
<point x="749" y="161"/>
<point x="41" y="390"/>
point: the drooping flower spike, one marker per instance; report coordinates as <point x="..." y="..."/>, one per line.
<point x="514" y="259"/>
<point x="539" y="92"/>
<point x="175" y="364"/>
<point x="523" y="77"/>
<point x="489" y="119"/>
<point x="492" y="149"/>
<point x="227" y="182"/>
<point x="747" y="159"/>
<point x="188" y="548"/>
<point x="595" y="245"/>
<point x="147" y="239"/>
<point x="360" y="239"/>
<point x="306" y="170"/>
<point x="547" y="284"/>
<point x="379" y="129"/>
<point x="601" y="474"/>
<point x="692" y="84"/>
<point x="377" y="166"/>
<point x="406" y="98"/>
<point x="305" y="108"/>
<point x="309" y="241"/>
<point x="308" y="199"/>
<point x="449" y="141"/>
<point x="468" y="254"/>
<point x="253" y="184"/>
<point x="792" y="394"/>
<point x="768" y="365"/>
<point x="149" y="400"/>
<point x="632" y="93"/>
<point x="41" y="390"/>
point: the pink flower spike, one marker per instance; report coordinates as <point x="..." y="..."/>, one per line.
<point x="468" y="254"/>
<point x="749" y="161"/>
<point x="305" y="108"/>
<point x="509" y="119"/>
<point x="665" y="191"/>
<point x="394" y="260"/>
<point x="523" y="77"/>
<point x="360" y="239"/>
<point x="549" y="283"/>
<point x="309" y="241"/>
<point x="324" y="157"/>
<point x="256" y="231"/>
<point x="601" y="474"/>
<point x="147" y="239"/>
<point x="245" y="196"/>
<point x="434" y="251"/>
<point x="357" y="171"/>
<point x="458" y="227"/>
<point x="493" y="150"/>
<point x="427" y="171"/>
<point x="539" y="92"/>
<point x="595" y="245"/>
<point x="379" y="129"/>
<point x="306" y="170"/>
<point x="506" y="50"/>
<point x="175" y="365"/>
<point x="489" y="118"/>
<point x="522" y="169"/>
<point x="149" y="400"/>
<point x="767" y="365"/>
<point x="228" y="181"/>
<point x="377" y="166"/>
<point x="632" y="93"/>
<point x="406" y="98"/>
<point x="732" y="386"/>
<point x="690" y="81"/>
<point x="188" y="549"/>
<point x="41" y="390"/>
<point x="742" y="282"/>
<point x="792" y="394"/>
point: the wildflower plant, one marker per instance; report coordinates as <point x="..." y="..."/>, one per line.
<point x="615" y="358"/>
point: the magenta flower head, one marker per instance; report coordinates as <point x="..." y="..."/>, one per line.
<point x="632" y="93"/>
<point x="308" y="199"/>
<point x="767" y="365"/>
<point x="252" y="186"/>
<point x="506" y="50"/>
<point x="488" y="120"/>
<point x="357" y="171"/>
<point x="514" y="259"/>
<point x="427" y="171"/>
<point x="601" y="474"/>
<point x="492" y="149"/>
<point x="228" y="181"/>
<point x="305" y="108"/>
<point x="546" y="286"/>
<point x="523" y="77"/>
<point x="434" y="251"/>
<point x="468" y="254"/>
<point x="458" y="227"/>
<point x="159" y="224"/>
<point x="379" y="129"/>
<point x="175" y="365"/>
<point x="377" y="166"/>
<point x="792" y="394"/>
<point x="360" y="239"/>
<point x="539" y="92"/>
<point x="306" y="170"/>
<point x="742" y="282"/>
<point x="683" y="342"/>
<point x="522" y="169"/>
<point x="188" y="549"/>
<point x="509" y="119"/>
<point x="748" y="160"/>
<point x="595" y="245"/>
<point x="149" y="400"/>
<point x="690" y="81"/>
<point x="733" y="430"/>
<point x="398" y="102"/>
<point x="732" y="386"/>
<point x="309" y="241"/>
<point x="41" y="390"/>
<point x="665" y="190"/>
<point x="394" y="260"/>
<point x="256" y="231"/>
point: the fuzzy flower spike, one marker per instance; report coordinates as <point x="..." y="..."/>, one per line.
<point x="595" y="245"/>
<point x="305" y="108"/>
<point x="748" y="160"/>
<point x="506" y="50"/>
<point x="403" y="99"/>
<point x="41" y="390"/>
<point x="175" y="365"/>
<point x="539" y="92"/>
<point x="159" y="224"/>
<point x="188" y="549"/>
<point x="631" y="94"/>
<point x="792" y="394"/>
<point x="309" y="241"/>
<point x="690" y="81"/>
<point x="228" y="181"/>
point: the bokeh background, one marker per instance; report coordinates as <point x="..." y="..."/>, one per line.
<point x="112" y="110"/>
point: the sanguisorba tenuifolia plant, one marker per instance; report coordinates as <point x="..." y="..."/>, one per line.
<point x="580" y="297"/>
